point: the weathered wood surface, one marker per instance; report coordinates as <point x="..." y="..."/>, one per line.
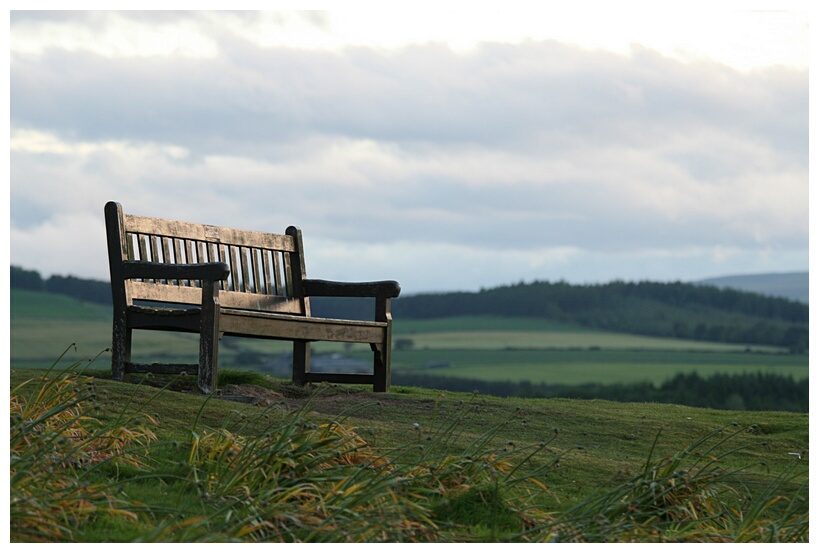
<point x="231" y="282"/>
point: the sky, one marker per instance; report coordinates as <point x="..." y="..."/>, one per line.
<point x="447" y="149"/>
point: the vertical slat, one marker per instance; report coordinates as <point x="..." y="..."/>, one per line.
<point x="166" y="253"/>
<point x="226" y="256"/>
<point x="177" y="257"/>
<point x="288" y="274"/>
<point x="151" y="248"/>
<point x="231" y="260"/>
<point x="256" y="269"/>
<point x="166" y="247"/>
<point x="141" y="243"/>
<point x="214" y="252"/>
<point x="277" y="272"/>
<point x="177" y="250"/>
<point x="201" y="253"/>
<point x="189" y="258"/>
<point x="152" y="251"/>
<point x="243" y="263"/>
<point x="266" y="270"/>
<point x="201" y="256"/>
<point x="129" y="246"/>
<point x="144" y="248"/>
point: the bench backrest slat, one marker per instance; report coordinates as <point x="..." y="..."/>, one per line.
<point x="261" y="276"/>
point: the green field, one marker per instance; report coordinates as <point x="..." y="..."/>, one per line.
<point x="484" y="348"/>
<point x="570" y="367"/>
<point x="545" y="352"/>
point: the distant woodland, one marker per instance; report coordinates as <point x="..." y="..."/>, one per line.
<point x="679" y="310"/>
<point x="738" y="392"/>
<point x="676" y="310"/>
<point x="94" y="291"/>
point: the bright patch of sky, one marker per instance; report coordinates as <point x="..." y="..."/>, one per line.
<point x="689" y="32"/>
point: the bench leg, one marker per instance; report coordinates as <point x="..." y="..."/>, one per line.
<point x="381" y="368"/>
<point x="301" y="362"/>
<point x="120" y="348"/>
<point x="209" y="340"/>
<point x="208" y="362"/>
<point x="382" y="351"/>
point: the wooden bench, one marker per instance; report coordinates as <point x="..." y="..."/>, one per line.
<point x="186" y="277"/>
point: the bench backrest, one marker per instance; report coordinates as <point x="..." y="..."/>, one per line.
<point x="266" y="270"/>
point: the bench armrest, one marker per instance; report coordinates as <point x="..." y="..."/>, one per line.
<point x="175" y="271"/>
<point x="379" y="289"/>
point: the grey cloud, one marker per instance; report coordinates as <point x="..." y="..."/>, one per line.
<point x="533" y="146"/>
<point x="501" y="95"/>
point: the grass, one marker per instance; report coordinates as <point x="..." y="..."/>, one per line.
<point x="579" y="366"/>
<point x="97" y="460"/>
<point x="483" y="323"/>
<point x="28" y="304"/>
<point x="483" y="340"/>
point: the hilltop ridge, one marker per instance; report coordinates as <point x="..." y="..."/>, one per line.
<point x="790" y="285"/>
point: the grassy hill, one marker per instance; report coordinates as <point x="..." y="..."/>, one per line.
<point x="28" y="304"/>
<point x="342" y="464"/>
<point x="150" y="461"/>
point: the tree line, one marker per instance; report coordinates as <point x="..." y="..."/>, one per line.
<point x="736" y="392"/>
<point x="673" y="310"/>
<point x="94" y="291"/>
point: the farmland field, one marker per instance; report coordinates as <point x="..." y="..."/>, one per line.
<point x="484" y="348"/>
<point x="545" y="352"/>
<point x="603" y="366"/>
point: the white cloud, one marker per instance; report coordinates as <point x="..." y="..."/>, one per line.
<point x="727" y="34"/>
<point x="492" y="164"/>
<point x="113" y="35"/>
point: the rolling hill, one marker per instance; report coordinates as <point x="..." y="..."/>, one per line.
<point x="794" y="286"/>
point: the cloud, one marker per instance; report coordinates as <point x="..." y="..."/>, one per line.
<point x="505" y="161"/>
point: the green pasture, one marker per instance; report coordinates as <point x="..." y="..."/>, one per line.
<point x="43" y="326"/>
<point x="38" y="343"/>
<point x="501" y="333"/>
<point x="603" y="366"/>
<point x="500" y="339"/>
<point x="548" y="352"/>
<point x="26" y="304"/>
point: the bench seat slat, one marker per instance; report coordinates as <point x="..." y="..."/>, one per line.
<point x="274" y="325"/>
